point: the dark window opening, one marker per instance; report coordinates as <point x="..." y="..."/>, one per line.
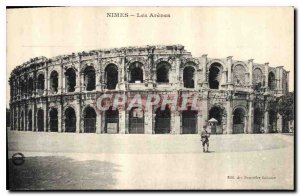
<point x="136" y="73"/>
<point x="111" y="121"/>
<point x="189" y="121"/>
<point x="53" y="120"/>
<point x="70" y="120"/>
<point x="41" y="82"/>
<point x="29" y="128"/>
<point x="162" y="73"/>
<point x="89" y="120"/>
<point x="163" y="121"/>
<point x="40" y="119"/>
<point x="22" y="122"/>
<point x="271" y="81"/>
<point x="54" y="82"/>
<point x="238" y="120"/>
<point x="136" y="121"/>
<point x="258" y="116"/>
<point x="272" y="121"/>
<point x="214" y="76"/>
<point x="188" y="77"/>
<point x="90" y="78"/>
<point x="70" y="80"/>
<point x="30" y="86"/>
<point x="111" y="72"/>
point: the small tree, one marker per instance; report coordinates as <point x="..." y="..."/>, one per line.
<point x="286" y="107"/>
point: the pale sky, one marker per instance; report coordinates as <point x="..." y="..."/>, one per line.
<point x="264" y="34"/>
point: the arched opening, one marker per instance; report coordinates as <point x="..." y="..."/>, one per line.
<point x="189" y="77"/>
<point x="23" y="87"/>
<point x="70" y="80"/>
<point x="41" y="82"/>
<point x="54" y="81"/>
<point x="111" y="75"/>
<point x="90" y="78"/>
<point x="238" y="120"/>
<point x="111" y="121"/>
<point x="217" y="113"/>
<point x="214" y="76"/>
<point x="272" y="121"/>
<point x="271" y="81"/>
<point x="136" y="72"/>
<point x="136" y="121"/>
<point x="70" y="120"/>
<point x="89" y="120"/>
<point x="163" y="121"/>
<point x="53" y="120"/>
<point x="29" y="122"/>
<point x="30" y="86"/>
<point x="162" y="72"/>
<point x="257" y="77"/>
<point x="258" y="117"/>
<point x="22" y="121"/>
<point x="239" y="75"/>
<point x="189" y="121"/>
<point x="40" y="119"/>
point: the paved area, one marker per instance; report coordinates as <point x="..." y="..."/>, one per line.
<point x="93" y="161"/>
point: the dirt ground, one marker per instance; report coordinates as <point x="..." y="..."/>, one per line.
<point x="97" y="161"/>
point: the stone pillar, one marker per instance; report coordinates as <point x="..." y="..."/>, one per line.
<point x="229" y="128"/>
<point x="204" y="71"/>
<point x="45" y="117"/>
<point x="204" y="111"/>
<point x="245" y="124"/>
<point x="121" y="73"/>
<point x="122" y="118"/>
<point x="175" y="122"/>
<point x="250" y="114"/>
<point x="287" y="81"/>
<point x="98" y="122"/>
<point x="279" y="123"/>
<point x="199" y="122"/>
<point x="25" y="119"/>
<point x="266" y="76"/>
<point x="34" y="117"/>
<point x="148" y="121"/>
<point x="229" y="72"/>
<point x="59" y="118"/>
<point x="250" y="68"/>
<point x="79" y="128"/>
<point x="46" y="89"/>
<point x="98" y="79"/>
<point x="266" y="122"/>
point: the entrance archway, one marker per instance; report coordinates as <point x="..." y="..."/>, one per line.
<point x="163" y="121"/>
<point x="111" y="121"/>
<point x="189" y="121"/>
<point x="89" y="120"/>
<point x="70" y="120"/>
<point x="272" y="121"/>
<point x="217" y="113"/>
<point x="214" y="76"/>
<point x="136" y="121"/>
<point x="258" y="116"/>
<point x="238" y="120"/>
<point x="53" y="120"/>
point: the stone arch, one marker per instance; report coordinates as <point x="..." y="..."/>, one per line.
<point x="89" y="117"/>
<point x="70" y="75"/>
<point x="189" y="121"/>
<point x="215" y="69"/>
<point x="271" y="80"/>
<point x="272" y="121"/>
<point x="111" y="121"/>
<point x="257" y="77"/>
<point x="30" y="88"/>
<point x="53" y="119"/>
<point x="162" y="72"/>
<point x="257" y="120"/>
<point x="41" y="81"/>
<point x="111" y="76"/>
<point x="70" y="119"/>
<point x="54" y="81"/>
<point x="89" y="78"/>
<point x="136" y="72"/>
<point x="239" y="74"/>
<point x="239" y="121"/>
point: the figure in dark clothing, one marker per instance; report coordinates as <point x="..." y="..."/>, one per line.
<point x="204" y="138"/>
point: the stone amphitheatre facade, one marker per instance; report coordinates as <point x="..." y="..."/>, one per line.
<point x="58" y="94"/>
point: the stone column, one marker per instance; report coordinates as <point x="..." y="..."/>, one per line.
<point x="79" y="128"/>
<point x="59" y="118"/>
<point x="98" y="81"/>
<point x="266" y="76"/>
<point x="25" y="119"/>
<point x="34" y="117"/>
<point x="229" y="72"/>
<point x="175" y="122"/>
<point x="204" y="111"/>
<point x="45" y="117"/>
<point x="279" y="123"/>
<point x="266" y="122"/>
<point x="46" y="89"/>
<point x="121" y="73"/>
<point x="250" y="114"/>
<point x="204" y="71"/>
<point x="98" y="122"/>
<point x="199" y="121"/>
<point x="122" y="117"/>
<point x="148" y="121"/>
<point x="229" y="129"/>
<point x="245" y="124"/>
<point x="250" y="67"/>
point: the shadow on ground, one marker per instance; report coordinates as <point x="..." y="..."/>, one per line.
<point x="61" y="173"/>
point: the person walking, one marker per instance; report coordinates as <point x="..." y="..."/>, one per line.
<point x="204" y="138"/>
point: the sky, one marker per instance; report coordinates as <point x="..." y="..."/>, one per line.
<point x="265" y="34"/>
